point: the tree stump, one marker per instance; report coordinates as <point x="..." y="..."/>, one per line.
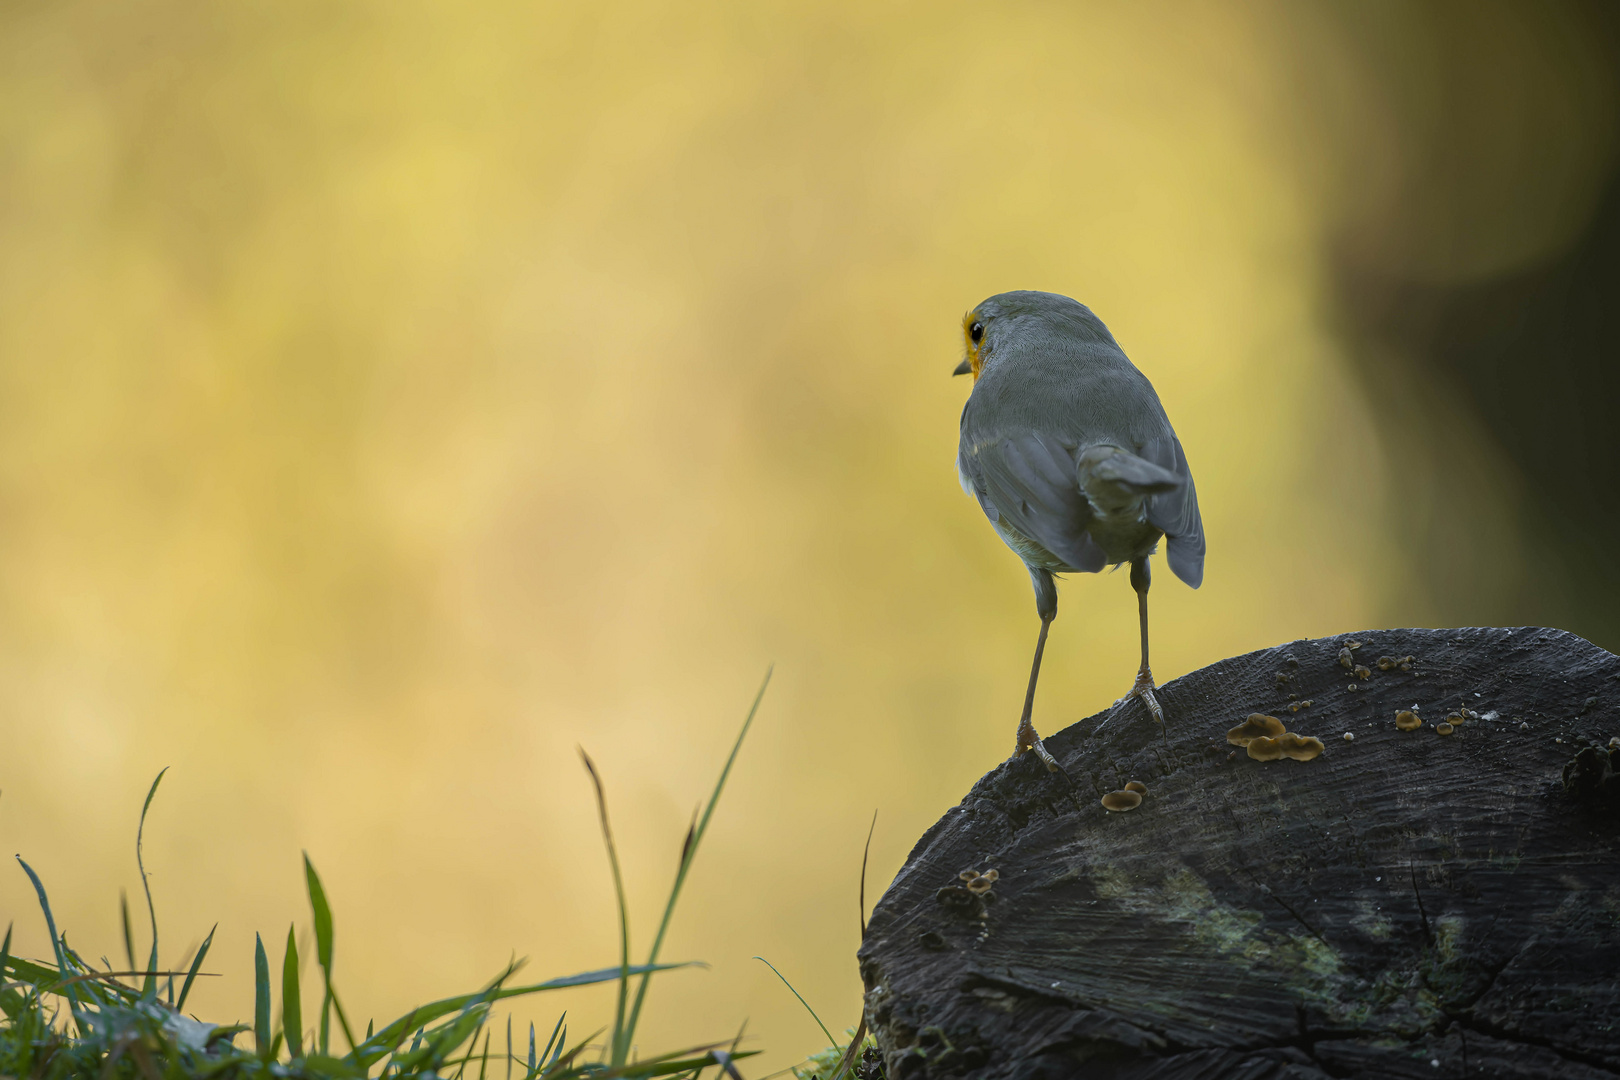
<point x="1409" y="903"/>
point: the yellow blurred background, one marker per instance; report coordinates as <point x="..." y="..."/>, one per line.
<point x="395" y="396"/>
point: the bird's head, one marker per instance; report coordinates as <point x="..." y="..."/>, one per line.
<point x="1014" y="323"/>
<point x="973" y="330"/>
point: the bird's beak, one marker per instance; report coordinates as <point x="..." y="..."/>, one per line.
<point x="964" y="368"/>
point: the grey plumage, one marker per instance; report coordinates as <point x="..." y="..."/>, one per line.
<point x="1066" y="447"/>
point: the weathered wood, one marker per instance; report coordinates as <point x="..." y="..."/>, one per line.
<point x="1407" y="904"/>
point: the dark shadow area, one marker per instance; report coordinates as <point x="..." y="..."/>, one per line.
<point x="1509" y="386"/>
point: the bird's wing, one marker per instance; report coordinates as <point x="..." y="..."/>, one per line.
<point x="1027" y="482"/>
<point x="1176" y="512"/>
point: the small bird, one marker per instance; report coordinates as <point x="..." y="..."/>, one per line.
<point x="1071" y="457"/>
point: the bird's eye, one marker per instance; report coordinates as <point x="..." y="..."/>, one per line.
<point x="976" y="332"/>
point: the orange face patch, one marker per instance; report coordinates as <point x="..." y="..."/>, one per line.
<point x="972" y="347"/>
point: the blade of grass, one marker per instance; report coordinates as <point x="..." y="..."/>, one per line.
<point x="39" y="977"/>
<point x="11" y="1002"/>
<point x="865" y="852"/>
<point x="392" y="1035"/>
<point x="847" y="1062"/>
<point x="483" y="1064"/>
<point x="191" y="976"/>
<point x="292" y="1001"/>
<point x="261" y="999"/>
<point x="552" y="1042"/>
<point x="149" y="988"/>
<point x="675" y="1062"/>
<point x="129" y="933"/>
<point x="532" y="1069"/>
<point x="56" y="944"/>
<point x="830" y="1040"/>
<point x="343" y="1018"/>
<point x="619" y="1049"/>
<point x="323" y="946"/>
<point x="561" y="1063"/>
<point x="323" y="952"/>
<point x="106" y="978"/>
<point x="508" y="1046"/>
<point x="689" y="855"/>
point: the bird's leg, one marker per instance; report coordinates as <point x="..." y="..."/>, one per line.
<point x="1027" y="738"/>
<point x="1141" y="578"/>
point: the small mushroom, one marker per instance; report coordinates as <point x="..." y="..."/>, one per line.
<point x="1407" y="720"/>
<point x="1454" y="719"/>
<point x="1298" y="747"/>
<point x="981" y="884"/>
<point x="1120" y="801"/>
<point x="1387" y="662"/>
<point x="1256" y="726"/>
<point x="1614" y="743"/>
<point x="1443" y="728"/>
<point x="1346" y="657"/>
<point x="1137" y="786"/>
<point x="1266" y="748"/>
<point x="1362" y="671"/>
<point x="1348" y="737"/>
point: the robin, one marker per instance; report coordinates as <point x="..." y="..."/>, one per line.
<point x="1071" y="457"/>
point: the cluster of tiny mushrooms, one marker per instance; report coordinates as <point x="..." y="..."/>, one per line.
<point x="1126" y="798"/>
<point x="978" y="884"/>
<point x="1347" y="660"/>
<point x="1407" y="720"/>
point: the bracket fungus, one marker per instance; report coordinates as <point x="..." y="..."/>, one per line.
<point x="1266" y="748"/>
<point x="1122" y="800"/>
<point x="1298" y="747"/>
<point x="1407" y="720"/>
<point x="1257" y="726"/>
<point x="1137" y="786"/>
<point x="1443" y="728"/>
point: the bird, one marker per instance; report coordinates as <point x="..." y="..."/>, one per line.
<point x="1069" y="453"/>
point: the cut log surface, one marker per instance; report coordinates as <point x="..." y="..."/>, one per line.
<point x="1407" y="904"/>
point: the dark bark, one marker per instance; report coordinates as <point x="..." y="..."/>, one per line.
<point x="1408" y="904"/>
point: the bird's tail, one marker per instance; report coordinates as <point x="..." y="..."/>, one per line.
<point x="1114" y="479"/>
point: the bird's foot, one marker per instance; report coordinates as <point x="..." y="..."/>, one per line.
<point x="1144" y="689"/>
<point x="1029" y="740"/>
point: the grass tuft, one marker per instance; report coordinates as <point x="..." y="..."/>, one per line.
<point x="127" y="1030"/>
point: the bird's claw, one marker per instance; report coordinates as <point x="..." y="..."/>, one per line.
<point x="1029" y="740"/>
<point x="1041" y="752"/>
<point x="1144" y="689"/>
